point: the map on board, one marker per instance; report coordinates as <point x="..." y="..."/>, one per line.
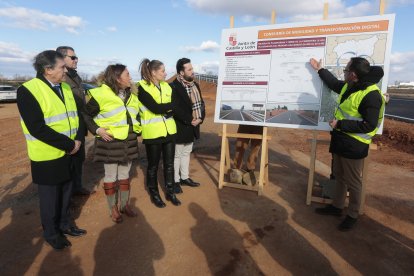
<point x="340" y="49"/>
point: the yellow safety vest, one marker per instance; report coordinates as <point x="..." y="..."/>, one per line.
<point x="349" y="110"/>
<point x="60" y="116"/>
<point x="156" y="125"/>
<point x="113" y="112"/>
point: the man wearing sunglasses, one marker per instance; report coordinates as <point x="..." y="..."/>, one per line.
<point x="72" y="78"/>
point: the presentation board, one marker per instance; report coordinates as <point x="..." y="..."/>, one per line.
<point x="265" y="77"/>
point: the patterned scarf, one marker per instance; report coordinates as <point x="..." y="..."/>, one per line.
<point x="194" y="95"/>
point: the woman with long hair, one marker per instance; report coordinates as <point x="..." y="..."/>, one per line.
<point x="112" y="115"/>
<point x="158" y="128"/>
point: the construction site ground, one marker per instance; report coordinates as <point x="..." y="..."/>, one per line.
<point x="221" y="232"/>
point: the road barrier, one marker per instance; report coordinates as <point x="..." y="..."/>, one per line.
<point x="207" y="78"/>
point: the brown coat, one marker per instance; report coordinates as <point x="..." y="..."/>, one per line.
<point x="116" y="151"/>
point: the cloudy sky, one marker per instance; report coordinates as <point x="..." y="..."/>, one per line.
<point x="104" y="32"/>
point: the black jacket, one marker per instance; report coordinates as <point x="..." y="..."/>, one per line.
<point x="51" y="172"/>
<point x="183" y="113"/>
<point x="341" y="143"/>
<point x="157" y="108"/>
<point x="72" y="78"/>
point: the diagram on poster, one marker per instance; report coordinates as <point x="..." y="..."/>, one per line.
<point x="265" y="77"/>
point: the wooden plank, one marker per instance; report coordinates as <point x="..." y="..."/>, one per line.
<point x="223" y="156"/>
<point x="273" y="18"/>
<point x="262" y="160"/>
<point x="321" y="200"/>
<point x="240" y="186"/>
<point x="325" y="11"/>
<point x="267" y="165"/>
<point x="228" y="160"/>
<point x="382" y="7"/>
<point x="311" y="168"/>
<point x="244" y="135"/>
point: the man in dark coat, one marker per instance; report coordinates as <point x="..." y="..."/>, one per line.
<point x="189" y="113"/>
<point x="50" y="145"/>
<point x="357" y="118"/>
<point x="73" y="79"/>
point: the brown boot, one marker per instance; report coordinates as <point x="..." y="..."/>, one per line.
<point x="111" y="192"/>
<point x="124" y="187"/>
<point x="115" y="215"/>
<point x="128" y="211"/>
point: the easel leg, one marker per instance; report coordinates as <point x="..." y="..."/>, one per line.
<point x="262" y="161"/>
<point x="311" y="168"/>
<point x="223" y="156"/>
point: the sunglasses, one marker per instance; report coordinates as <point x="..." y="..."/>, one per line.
<point x="72" y="57"/>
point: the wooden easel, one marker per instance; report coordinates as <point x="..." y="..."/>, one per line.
<point x="311" y="179"/>
<point x="225" y="160"/>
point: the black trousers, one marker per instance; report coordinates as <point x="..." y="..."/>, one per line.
<point x="153" y="155"/>
<point x="54" y="208"/>
<point x="77" y="163"/>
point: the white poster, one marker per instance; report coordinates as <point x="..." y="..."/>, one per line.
<point x="265" y="77"/>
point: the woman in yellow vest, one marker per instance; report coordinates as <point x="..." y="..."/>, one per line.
<point x="111" y="114"/>
<point x="158" y="128"/>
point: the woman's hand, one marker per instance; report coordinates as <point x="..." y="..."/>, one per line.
<point x="104" y="134"/>
<point x="76" y="148"/>
<point x="333" y="123"/>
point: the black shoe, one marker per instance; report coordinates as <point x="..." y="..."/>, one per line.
<point x="59" y="242"/>
<point x="74" y="231"/>
<point x="156" y="198"/>
<point x="347" y="224"/>
<point x="329" y="210"/>
<point x="66" y="241"/>
<point x="189" y="182"/>
<point x="174" y="200"/>
<point x="177" y="188"/>
<point x="83" y="192"/>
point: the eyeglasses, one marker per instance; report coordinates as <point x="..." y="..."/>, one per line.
<point x="72" y="57"/>
<point x="346" y="70"/>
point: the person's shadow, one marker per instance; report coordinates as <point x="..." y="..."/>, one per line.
<point x="222" y="245"/>
<point x="72" y="265"/>
<point x="22" y="236"/>
<point x="268" y="221"/>
<point x="133" y="237"/>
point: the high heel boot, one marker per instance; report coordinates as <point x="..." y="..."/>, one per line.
<point x="170" y="195"/>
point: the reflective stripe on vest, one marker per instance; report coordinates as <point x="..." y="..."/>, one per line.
<point x="349" y="110"/>
<point x="156" y="125"/>
<point x="60" y="116"/>
<point x="113" y="112"/>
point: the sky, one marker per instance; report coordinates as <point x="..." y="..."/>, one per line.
<point x="106" y="32"/>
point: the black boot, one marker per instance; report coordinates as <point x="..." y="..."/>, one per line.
<point x="156" y="198"/>
<point x="177" y="188"/>
<point x="170" y="195"/>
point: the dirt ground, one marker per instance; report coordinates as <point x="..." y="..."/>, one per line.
<point x="221" y="232"/>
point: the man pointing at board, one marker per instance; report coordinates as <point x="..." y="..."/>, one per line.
<point x="358" y="115"/>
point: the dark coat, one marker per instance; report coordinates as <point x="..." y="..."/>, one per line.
<point x="51" y="172"/>
<point x="116" y="151"/>
<point x="341" y="143"/>
<point x="183" y="113"/>
<point x="72" y="78"/>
